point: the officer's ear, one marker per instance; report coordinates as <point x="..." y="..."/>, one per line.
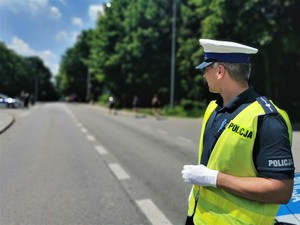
<point x="220" y="71"/>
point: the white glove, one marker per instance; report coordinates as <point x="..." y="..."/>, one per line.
<point x="199" y="175"/>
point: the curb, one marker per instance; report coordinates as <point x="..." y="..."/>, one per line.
<point x="8" y="121"/>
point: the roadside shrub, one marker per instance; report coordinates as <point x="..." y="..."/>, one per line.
<point x="186" y="108"/>
<point x="103" y="99"/>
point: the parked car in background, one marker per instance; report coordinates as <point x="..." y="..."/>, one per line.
<point x="9" y="102"/>
<point x="289" y="214"/>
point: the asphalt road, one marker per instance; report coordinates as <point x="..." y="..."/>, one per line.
<point x="77" y="164"/>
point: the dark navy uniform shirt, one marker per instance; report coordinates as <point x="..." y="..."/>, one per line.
<point x="272" y="154"/>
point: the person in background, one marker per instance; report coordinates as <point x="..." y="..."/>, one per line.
<point x="111" y="104"/>
<point x="155" y="106"/>
<point x="135" y="105"/>
<point x="245" y="165"/>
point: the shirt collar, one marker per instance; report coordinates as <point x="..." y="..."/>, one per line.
<point x="244" y="97"/>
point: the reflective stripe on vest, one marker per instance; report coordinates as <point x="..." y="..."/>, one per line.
<point x="232" y="154"/>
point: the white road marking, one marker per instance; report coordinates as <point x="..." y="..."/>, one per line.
<point x="90" y="137"/>
<point x="185" y="139"/>
<point x="68" y="111"/>
<point x="84" y="130"/>
<point x="118" y="171"/>
<point x="101" y="150"/>
<point x="79" y="125"/>
<point x="162" y="132"/>
<point x="152" y="212"/>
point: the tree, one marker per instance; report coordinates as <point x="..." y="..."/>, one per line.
<point x="39" y="79"/>
<point x="74" y="68"/>
<point x="19" y="74"/>
<point x="189" y="53"/>
<point x="272" y="27"/>
<point x="132" y="48"/>
<point x="129" y="50"/>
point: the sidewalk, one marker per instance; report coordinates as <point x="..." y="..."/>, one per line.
<point x="6" y="120"/>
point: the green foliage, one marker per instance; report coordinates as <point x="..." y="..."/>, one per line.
<point x="129" y="51"/>
<point x="19" y="74"/>
<point x="129" y="46"/>
<point x="186" y="108"/>
<point x="103" y="99"/>
<point x="75" y="67"/>
<point x="189" y="54"/>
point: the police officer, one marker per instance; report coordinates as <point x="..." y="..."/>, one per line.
<point x="245" y="167"/>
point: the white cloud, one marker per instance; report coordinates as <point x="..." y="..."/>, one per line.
<point x="62" y="36"/>
<point x="54" y="13"/>
<point x="22" y="48"/>
<point x="95" y="11"/>
<point x="32" y="6"/>
<point x="36" y="5"/>
<point x="5" y="2"/>
<point x="77" y="21"/>
<point x="63" y="2"/>
<point x="74" y="36"/>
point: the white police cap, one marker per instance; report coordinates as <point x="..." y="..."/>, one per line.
<point x="224" y="51"/>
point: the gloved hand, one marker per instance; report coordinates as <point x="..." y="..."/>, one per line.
<point x="199" y="175"/>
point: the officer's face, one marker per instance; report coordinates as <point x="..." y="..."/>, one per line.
<point x="210" y="74"/>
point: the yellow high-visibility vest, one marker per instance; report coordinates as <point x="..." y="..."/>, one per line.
<point x="232" y="155"/>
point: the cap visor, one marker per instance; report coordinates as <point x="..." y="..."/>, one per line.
<point x="203" y="65"/>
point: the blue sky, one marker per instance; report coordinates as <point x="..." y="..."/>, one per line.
<point x="46" y="28"/>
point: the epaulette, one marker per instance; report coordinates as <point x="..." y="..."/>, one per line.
<point x="266" y="105"/>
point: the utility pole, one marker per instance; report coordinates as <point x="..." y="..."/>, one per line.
<point x="173" y="48"/>
<point x="88" y="85"/>
<point x="36" y="87"/>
